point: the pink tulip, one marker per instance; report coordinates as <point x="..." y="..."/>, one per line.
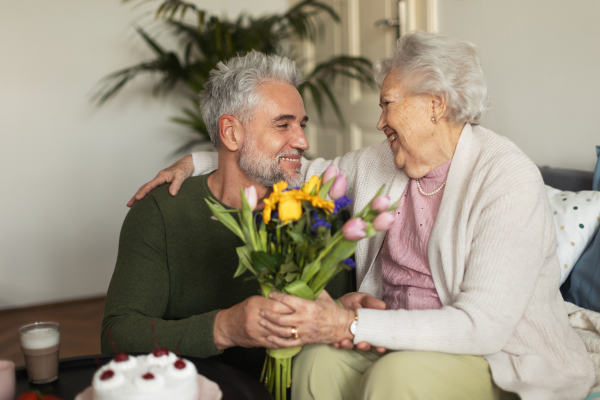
<point x="354" y="229"/>
<point x="383" y="221"/>
<point x="381" y="203"/>
<point x="331" y="172"/>
<point x="338" y="189"/>
<point x="251" y="196"/>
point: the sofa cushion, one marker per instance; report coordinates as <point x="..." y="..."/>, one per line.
<point x="576" y="218"/>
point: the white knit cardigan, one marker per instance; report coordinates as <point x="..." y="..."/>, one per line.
<point x="492" y="254"/>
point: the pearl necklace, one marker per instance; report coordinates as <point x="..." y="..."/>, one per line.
<point x="432" y="193"/>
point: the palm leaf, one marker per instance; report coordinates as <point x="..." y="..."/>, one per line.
<point x="332" y="101"/>
<point x="151" y="42"/>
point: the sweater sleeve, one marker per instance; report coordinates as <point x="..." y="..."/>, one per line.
<point x="139" y="293"/>
<point x="505" y="259"/>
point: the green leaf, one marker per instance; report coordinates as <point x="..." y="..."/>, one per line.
<point x="300" y="289"/>
<point x="332" y="101"/>
<point x="243" y="253"/>
<point x="288" y="267"/>
<point x="225" y="218"/>
<point x="262" y="260"/>
<point x="157" y="49"/>
<point x="296" y="237"/>
<point x="325" y="188"/>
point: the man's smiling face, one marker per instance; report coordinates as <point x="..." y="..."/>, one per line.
<point x="275" y="141"/>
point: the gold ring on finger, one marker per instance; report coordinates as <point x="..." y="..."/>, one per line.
<point x="294" y="333"/>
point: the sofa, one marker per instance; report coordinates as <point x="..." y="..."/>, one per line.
<point x="582" y="305"/>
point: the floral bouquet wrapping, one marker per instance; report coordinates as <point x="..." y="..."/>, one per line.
<point x="298" y="244"/>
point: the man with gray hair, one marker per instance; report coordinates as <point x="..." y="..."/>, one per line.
<point x="175" y="264"/>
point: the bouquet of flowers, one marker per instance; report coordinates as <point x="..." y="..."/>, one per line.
<point x="298" y="244"/>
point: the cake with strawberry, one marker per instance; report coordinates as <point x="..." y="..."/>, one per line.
<point x="160" y="375"/>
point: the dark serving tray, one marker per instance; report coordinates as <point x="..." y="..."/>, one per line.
<point x="75" y="375"/>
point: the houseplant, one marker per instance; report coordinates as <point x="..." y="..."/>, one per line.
<point x="206" y="40"/>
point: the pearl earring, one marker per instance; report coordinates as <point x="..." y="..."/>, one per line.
<point x="433" y="120"/>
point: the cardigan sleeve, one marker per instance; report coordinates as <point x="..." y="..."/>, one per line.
<point x="502" y="266"/>
<point x="204" y="162"/>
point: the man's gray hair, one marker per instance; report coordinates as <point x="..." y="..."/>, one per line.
<point x="233" y="87"/>
<point x="438" y="64"/>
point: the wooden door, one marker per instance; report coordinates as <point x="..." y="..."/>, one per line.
<point x="368" y="28"/>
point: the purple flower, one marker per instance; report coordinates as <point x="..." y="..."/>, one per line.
<point x="342" y="203"/>
<point x="354" y="229"/>
<point x="319" y="223"/>
<point x="349" y="262"/>
<point x="258" y="217"/>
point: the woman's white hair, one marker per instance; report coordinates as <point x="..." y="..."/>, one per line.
<point x="438" y="64"/>
<point x="233" y="87"/>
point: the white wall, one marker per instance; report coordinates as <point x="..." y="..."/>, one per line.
<point x="542" y="61"/>
<point x="68" y="167"/>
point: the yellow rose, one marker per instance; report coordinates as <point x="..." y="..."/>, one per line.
<point x="310" y="185"/>
<point x="290" y="209"/>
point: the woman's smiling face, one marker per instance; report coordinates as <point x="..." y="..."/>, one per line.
<point x="406" y="121"/>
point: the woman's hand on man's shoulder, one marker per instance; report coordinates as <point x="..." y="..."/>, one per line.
<point x="176" y="174"/>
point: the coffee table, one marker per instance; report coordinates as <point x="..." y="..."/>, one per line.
<point x="75" y="374"/>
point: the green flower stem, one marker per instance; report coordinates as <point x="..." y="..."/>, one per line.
<point x="329" y="266"/>
<point x="309" y="273"/>
<point x="278" y="367"/>
<point x="278" y="232"/>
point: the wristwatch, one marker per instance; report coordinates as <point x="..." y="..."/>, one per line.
<point x="354" y="324"/>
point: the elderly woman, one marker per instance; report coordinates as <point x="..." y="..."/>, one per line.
<point x="468" y="272"/>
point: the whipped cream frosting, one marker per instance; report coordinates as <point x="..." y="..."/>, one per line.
<point x="147" y="378"/>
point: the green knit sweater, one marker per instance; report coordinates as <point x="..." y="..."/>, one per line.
<point x="175" y="267"/>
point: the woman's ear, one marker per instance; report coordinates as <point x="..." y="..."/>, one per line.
<point x="231" y="132"/>
<point x="439" y="105"/>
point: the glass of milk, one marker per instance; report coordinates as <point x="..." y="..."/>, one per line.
<point x="40" y="342"/>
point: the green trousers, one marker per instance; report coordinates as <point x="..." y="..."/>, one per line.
<point x="322" y="372"/>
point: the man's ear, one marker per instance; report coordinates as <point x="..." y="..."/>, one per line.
<point x="231" y="132"/>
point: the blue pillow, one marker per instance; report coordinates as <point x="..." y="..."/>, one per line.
<point x="583" y="285"/>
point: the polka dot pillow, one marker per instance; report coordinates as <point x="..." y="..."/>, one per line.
<point x="577" y="217"/>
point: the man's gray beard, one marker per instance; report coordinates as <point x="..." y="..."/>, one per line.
<point x="265" y="169"/>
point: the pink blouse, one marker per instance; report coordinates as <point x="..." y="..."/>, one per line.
<point x="406" y="275"/>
